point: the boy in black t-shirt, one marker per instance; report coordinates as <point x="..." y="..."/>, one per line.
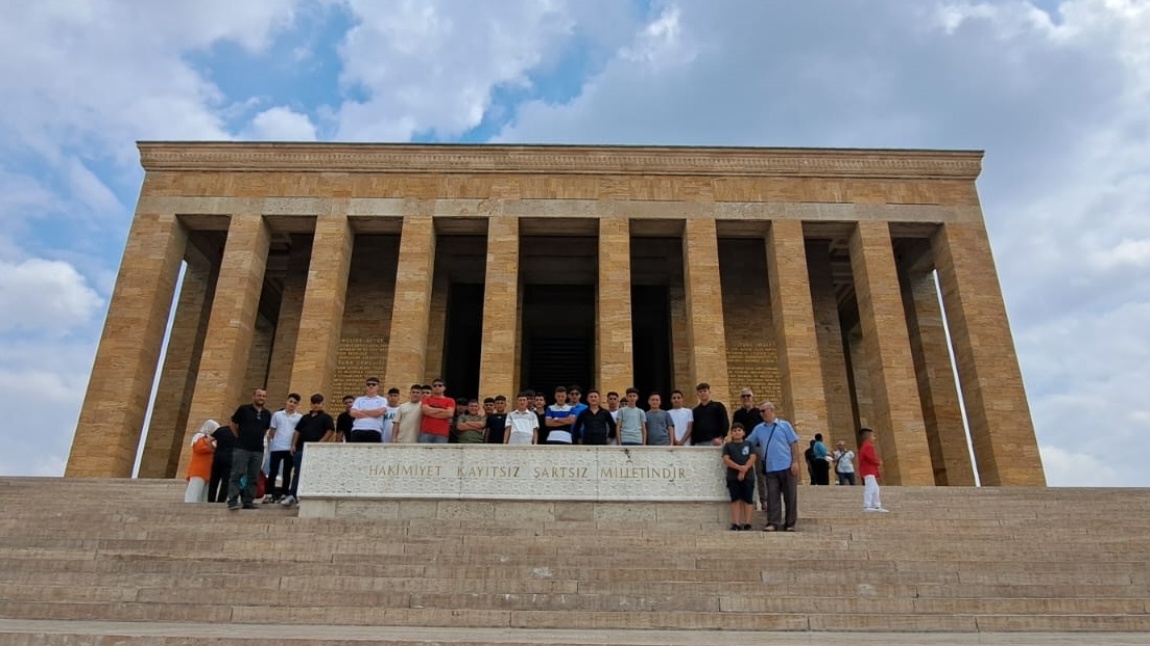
<point x="740" y="460"/>
<point x="315" y="426"/>
<point x="496" y="422"/>
<point x="344" y="422"/>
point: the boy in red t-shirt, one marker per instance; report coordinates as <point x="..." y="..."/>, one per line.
<point x="869" y="466"/>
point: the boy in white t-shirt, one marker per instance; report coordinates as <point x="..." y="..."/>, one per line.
<point x="683" y="418"/>
<point x="522" y="424"/>
<point x="279" y="445"/>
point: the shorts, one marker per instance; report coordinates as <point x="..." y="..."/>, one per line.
<point x="742" y="490"/>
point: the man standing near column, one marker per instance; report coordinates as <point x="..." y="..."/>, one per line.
<point x="777" y="445"/>
<point x="315" y="426"/>
<point x="711" y="421"/>
<point x="684" y="418"/>
<point x="438" y="411"/>
<point x="408" y="417"/>
<point x="368" y="412"/>
<point x="749" y="416"/>
<point x="250" y="423"/>
<point x="389" y="416"/>
<point x="279" y="445"/>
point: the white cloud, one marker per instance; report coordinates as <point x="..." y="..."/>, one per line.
<point x="281" y="124"/>
<point x="44" y="295"/>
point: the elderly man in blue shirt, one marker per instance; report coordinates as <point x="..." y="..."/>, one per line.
<point x="777" y="445"/>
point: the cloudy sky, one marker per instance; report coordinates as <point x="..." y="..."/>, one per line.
<point x="1057" y="93"/>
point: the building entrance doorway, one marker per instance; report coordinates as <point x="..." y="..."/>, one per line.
<point x="651" y="342"/>
<point x="463" y="339"/>
<point x="558" y="336"/>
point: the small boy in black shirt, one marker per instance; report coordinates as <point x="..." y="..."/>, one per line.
<point x="740" y="461"/>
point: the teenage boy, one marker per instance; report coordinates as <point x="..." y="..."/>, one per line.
<point x="869" y="467"/>
<point x="438" y="412"/>
<point x="469" y="427"/>
<point x="540" y="411"/>
<point x="660" y="426"/>
<point x="681" y="417"/>
<point x="522" y="424"/>
<point x="711" y="421"/>
<point x="594" y="426"/>
<point x="250" y="423"/>
<point x="344" y="421"/>
<point x="368" y="412"/>
<point x="388" y="431"/>
<point x="496" y="422"/>
<point x="406" y="423"/>
<point x="315" y="426"/>
<point x="632" y="422"/>
<point x="279" y="445"/>
<point x="559" y="419"/>
<point x="574" y="395"/>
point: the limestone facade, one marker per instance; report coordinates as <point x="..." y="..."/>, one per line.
<point x="807" y="275"/>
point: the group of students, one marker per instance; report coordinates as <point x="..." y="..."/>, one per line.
<point x="228" y="461"/>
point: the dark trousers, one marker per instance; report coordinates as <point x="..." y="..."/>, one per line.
<point x="782" y="489"/>
<point x="285" y="458"/>
<point x="366" y="437"/>
<point x="218" y="485"/>
<point x="822" y="472"/>
<point x="293" y="490"/>
<point x="245" y="463"/>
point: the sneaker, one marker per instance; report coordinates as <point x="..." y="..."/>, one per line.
<point x="883" y="510"/>
<point x="289" y="500"/>
<point x="269" y="499"/>
<point x="251" y="505"/>
<point x="233" y="505"/>
<point x="746" y="528"/>
<point x="869" y="509"/>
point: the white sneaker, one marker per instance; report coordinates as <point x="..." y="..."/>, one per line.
<point x="883" y="510"/>
<point x="290" y="500"/>
<point x="869" y="509"/>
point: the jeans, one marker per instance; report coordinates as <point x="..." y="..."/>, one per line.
<point x="846" y="478"/>
<point x="293" y="490"/>
<point x="278" y="458"/>
<point x="782" y="489"/>
<point x="218" y="485"/>
<point x="431" y="438"/>
<point x="245" y="463"/>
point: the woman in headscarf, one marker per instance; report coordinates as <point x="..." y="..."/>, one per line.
<point x="200" y="468"/>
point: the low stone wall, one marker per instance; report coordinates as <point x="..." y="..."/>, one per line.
<point x="358" y="479"/>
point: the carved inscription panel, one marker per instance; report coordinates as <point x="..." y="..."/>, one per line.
<point x="513" y="472"/>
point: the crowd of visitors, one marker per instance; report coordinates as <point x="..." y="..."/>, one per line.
<point x="760" y="450"/>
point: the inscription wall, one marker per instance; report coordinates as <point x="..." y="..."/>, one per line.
<point x="679" y="474"/>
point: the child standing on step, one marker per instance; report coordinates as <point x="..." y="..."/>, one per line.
<point x="869" y="466"/>
<point x="740" y="461"/>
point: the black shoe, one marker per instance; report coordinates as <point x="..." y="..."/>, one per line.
<point x="735" y="527"/>
<point x="251" y="505"/>
<point x="233" y="505"/>
<point x="747" y="528"/>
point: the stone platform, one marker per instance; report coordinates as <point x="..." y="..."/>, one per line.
<point x="124" y="562"/>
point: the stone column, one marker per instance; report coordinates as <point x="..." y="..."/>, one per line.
<point x="832" y="353"/>
<point x="220" y="384"/>
<point x="320" y="323"/>
<point x="890" y="368"/>
<point x="804" y="402"/>
<point x="613" y="327"/>
<point x="287" y="324"/>
<point x="930" y="348"/>
<point x="1001" y="431"/>
<point x="501" y="285"/>
<point x="706" y="336"/>
<point x="108" y="431"/>
<point x="407" y="343"/>
<point x="169" y="418"/>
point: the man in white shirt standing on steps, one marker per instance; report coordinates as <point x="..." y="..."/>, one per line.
<point x="279" y="445"/>
<point x="368" y="411"/>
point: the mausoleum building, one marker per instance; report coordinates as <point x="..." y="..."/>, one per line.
<point x="824" y="280"/>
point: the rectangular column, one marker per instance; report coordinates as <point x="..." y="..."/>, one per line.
<point x="832" y="352"/>
<point x="930" y="348"/>
<point x="1001" y="430"/>
<point x="886" y="347"/>
<point x="615" y="365"/>
<point x="804" y="401"/>
<point x="706" y="336"/>
<point x="108" y="431"/>
<point x="321" y="318"/>
<point x="161" y="454"/>
<point x="501" y="287"/>
<point x="288" y="322"/>
<point x="407" y="342"/>
<point x="220" y="384"/>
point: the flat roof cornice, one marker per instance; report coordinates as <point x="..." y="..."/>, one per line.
<point x="557" y="159"/>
